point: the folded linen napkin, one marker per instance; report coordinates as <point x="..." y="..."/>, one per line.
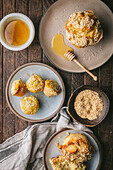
<point x="24" y="151"/>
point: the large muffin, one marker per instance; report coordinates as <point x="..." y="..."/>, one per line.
<point x="77" y="147"/>
<point x="83" y="29"/>
<point x="29" y="105"/>
<point x="76" y="150"/>
<point x="35" y="83"/>
<point x="18" y="88"/>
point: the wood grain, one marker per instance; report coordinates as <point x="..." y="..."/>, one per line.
<point x="46" y="5"/>
<point x="35" y="53"/>
<point x="67" y="77"/>
<point x="35" y="13"/>
<point x="20" y="59"/>
<point x="1" y="84"/>
<point x="8" y="68"/>
<point x="9" y="61"/>
<point x="104" y="129"/>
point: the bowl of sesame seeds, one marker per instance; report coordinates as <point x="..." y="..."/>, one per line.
<point x="88" y="105"/>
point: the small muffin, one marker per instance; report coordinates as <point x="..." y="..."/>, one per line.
<point x="18" y="88"/>
<point x="29" y="105"/>
<point x="77" y="147"/>
<point x="35" y="84"/>
<point x="51" y="88"/>
<point x="83" y="29"/>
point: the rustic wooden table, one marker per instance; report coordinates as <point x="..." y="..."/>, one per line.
<point x="9" y="61"/>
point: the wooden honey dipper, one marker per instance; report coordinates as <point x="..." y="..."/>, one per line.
<point x="71" y="57"/>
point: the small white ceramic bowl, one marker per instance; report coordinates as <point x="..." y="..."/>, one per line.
<point x="16" y="16"/>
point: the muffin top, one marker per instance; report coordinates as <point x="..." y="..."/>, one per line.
<point x="35" y="83"/>
<point x="83" y="29"/>
<point x="77" y="146"/>
<point x="29" y="105"/>
<point x="53" y="85"/>
<point x="51" y="88"/>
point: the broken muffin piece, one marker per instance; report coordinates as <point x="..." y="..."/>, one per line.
<point x="51" y="88"/>
<point x="18" y="88"/>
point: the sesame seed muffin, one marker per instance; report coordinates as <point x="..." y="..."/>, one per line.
<point x="29" y="105"/>
<point x="61" y="163"/>
<point x="76" y="150"/>
<point x="77" y="147"/>
<point x="51" y="88"/>
<point x="18" y="88"/>
<point x="35" y="84"/>
<point x="83" y="29"/>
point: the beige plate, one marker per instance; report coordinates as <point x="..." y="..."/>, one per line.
<point x="53" y="22"/>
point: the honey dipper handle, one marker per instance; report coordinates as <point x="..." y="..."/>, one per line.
<point x="94" y="77"/>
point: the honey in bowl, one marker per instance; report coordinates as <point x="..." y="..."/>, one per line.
<point x="16" y="32"/>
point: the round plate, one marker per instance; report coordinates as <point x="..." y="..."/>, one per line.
<point x="51" y="149"/>
<point x="86" y="122"/>
<point x="53" y="22"/>
<point x="48" y="106"/>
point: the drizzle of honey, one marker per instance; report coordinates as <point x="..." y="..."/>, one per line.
<point x="59" y="46"/>
<point x="16" y="32"/>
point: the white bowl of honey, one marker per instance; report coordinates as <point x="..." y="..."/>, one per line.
<point x="16" y="31"/>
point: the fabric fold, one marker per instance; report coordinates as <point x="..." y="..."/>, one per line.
<point x="24" y="151"/>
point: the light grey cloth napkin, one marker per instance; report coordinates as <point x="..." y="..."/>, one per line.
<point x="24" y="151"/>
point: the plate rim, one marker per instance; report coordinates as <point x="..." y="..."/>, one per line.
<point x="82" y="71"/>
<point x="89" y="133"/>
<point x="88" y="86"/>
<point x="7" y="90"/>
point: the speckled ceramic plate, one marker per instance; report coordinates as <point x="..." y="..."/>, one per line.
<point x="48" y="106"/>
<point x="51" y="149"/>
<point x="53" y="22"/>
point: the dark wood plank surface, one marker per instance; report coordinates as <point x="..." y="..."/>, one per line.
<point x="1" y="84"/>
<point x="9" y="61"/>
<point x="20" y="59"/>
<point x="8" y="68"/>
